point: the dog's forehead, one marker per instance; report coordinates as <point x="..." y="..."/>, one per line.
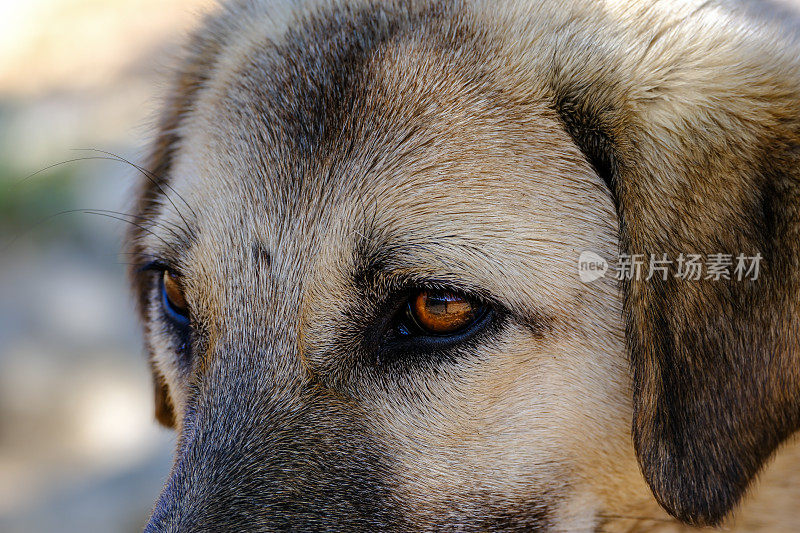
<point x="299" y="149"/>
<point x="328" y="101"/>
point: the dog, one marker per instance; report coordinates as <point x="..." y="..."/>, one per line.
<point x="358" y="249"/>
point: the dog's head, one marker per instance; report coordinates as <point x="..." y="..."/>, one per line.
<point x="357" y="256"/>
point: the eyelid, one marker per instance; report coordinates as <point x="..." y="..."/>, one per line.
<point x="158" y="266"/>
<point x="153" y="266"/>
<point x="401" y="284"/>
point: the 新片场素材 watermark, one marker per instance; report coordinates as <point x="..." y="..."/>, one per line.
<point x="690" y="267"/>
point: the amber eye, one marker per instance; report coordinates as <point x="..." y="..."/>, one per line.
<point x="173" y="299"/>
<point x="443" y="313"/>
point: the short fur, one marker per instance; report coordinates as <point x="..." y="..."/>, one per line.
<point x="315" y="159"/>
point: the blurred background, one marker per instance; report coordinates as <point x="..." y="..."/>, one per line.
<point x="79" y="449"/>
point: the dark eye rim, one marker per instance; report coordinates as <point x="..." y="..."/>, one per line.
<point x="421" y="349"/>
<point x="179" y="318"/>
<point x="421" y="352"/>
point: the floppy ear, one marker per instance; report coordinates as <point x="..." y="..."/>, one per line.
<point x="697" y="133"/>
<point x="165" y="414"/>
<point x="201" y="53"/>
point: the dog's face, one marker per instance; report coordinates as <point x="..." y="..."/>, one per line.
<point x="359" y="247"/>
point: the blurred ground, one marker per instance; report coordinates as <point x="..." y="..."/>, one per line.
<point x="79" y="450"/>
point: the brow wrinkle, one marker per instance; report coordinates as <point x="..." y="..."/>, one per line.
<point x="261" y="255"/>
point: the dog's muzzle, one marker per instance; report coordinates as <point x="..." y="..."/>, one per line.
<point x="255" y="456"/>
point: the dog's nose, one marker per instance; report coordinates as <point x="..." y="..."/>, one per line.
<point x="278" y="461"/>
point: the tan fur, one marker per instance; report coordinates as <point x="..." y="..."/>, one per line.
<point x="461" y="165"/>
